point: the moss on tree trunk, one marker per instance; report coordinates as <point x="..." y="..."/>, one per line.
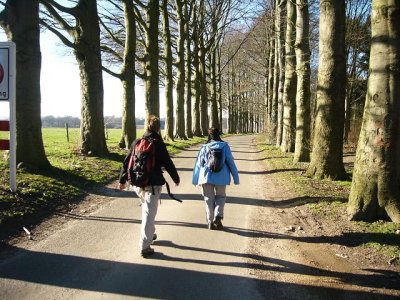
<point x="375" y="189"/>
<point x="302" y="49"/>
<point x="289" y="90"/>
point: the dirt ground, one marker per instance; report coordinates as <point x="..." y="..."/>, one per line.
<point x="317" y="257"/>
<point x="295" y="253"/>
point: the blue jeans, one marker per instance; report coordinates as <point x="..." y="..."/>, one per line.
<point x="214" y="196"/>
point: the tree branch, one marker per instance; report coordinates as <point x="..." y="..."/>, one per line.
<point x="60" y="20"/>
<point x="68" y="10"/>
<point x="112" y="52"/>
<point x="111" y="34"/>
<point x="116" y="75"/>
<point x="65" y="40"/>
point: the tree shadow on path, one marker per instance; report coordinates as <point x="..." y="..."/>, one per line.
<point x="378" y="280"/>
<point x="137" y="279"/>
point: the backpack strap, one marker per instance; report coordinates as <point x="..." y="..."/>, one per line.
<point x="170" y="194"/>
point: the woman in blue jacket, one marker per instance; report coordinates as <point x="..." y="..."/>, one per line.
<point x="212" y="171"/>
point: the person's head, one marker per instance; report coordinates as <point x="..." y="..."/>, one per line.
<point x="213" y="134"/>
<point x="153" y="124"/>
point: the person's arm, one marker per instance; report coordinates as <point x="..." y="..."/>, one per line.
<point x="197" y="166"/>
<point x="166" y="161"/>
<point x="231" y="164"/>
<point x="123" y="176"/>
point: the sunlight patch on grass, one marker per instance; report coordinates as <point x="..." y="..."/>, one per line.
<point x="71" y="175"/>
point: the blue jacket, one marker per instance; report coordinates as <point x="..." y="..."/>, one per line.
<point x="202" y="174"/>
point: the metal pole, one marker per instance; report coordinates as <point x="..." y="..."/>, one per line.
<point x="13" y="129"/>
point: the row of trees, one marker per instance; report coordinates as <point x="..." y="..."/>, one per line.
<point x="263" y="72"/>
<point x="170" y="43"/>
<point x="311" y="117"/>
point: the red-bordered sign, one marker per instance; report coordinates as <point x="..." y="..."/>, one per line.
<point x="4" y="73"/>
<point x="7" y="93"/>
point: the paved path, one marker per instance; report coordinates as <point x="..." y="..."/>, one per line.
<point x="97" y="257"/>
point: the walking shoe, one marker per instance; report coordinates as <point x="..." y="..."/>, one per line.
<point x="218" y="223"/>
<point x="147" y="252"/>
<point x="211" y="226"/>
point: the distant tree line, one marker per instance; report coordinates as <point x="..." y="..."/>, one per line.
<point x="74" y="122"/>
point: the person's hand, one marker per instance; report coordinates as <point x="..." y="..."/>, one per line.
<point x="176" y="184"/>
<point x="121" y="186"/>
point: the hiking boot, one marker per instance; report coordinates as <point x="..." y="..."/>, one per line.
<point x="211" y="226"/>
<point x="147" y="252"/>
<point x="218" y="223"/>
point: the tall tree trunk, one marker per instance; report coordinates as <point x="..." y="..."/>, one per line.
<point x="352" y="79"/>
<point x="271" y="89"/>
<point x="88" y="55"/>
<point x="327" y="156"/>
<point x="375" y="190"/>
<point x="219" y="91"/>
<point x="86" y="36"/>
<point x="203" y="92"/>
<point x="128" y="113"/>
<point x="180" y="85"/>
<point x="128" y="78"/>
<point x="188" y="66"/>
<point x="303" y="94"/>
<point x="231" y="79"/>
<point x="197" y="95"/>
<point x="214" y="103"/>
<point x="281" y="66"/>
<point x="289" y="90"/>
<point x="152" y="74"/>
<point x="20" y="21"/>
<point x="267" y="52"/>
<point x="169" y="79"/>
<point x="275" y="92"/>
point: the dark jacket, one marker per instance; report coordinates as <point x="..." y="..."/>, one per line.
<point x="162" y="160"/>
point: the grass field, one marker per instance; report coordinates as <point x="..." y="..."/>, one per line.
<point x="40" y="192"/>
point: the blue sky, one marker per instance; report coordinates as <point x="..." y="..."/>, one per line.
<point x="60" y="84"/>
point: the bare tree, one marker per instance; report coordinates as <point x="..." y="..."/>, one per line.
<point x="327" y="154"/>
<point x="169" y="78"/>
<point x="20" y="21"/>
<point x="280" y="40"/>
<point x="358" y="36"/>
<point x="181" y="68"/>
<point x="189" y="13"/>
<point x="151" y="63"/>
<point x="303" y="117"/>
<point x="85" y="35"/>
<point x="127" y="59"/>
<point x="289" y="89"/>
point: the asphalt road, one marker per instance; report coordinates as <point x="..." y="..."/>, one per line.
<point x="96" y="255"/>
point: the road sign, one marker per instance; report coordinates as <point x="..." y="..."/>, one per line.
<point x="4" y="73"/>
<point x="7" y="93"/>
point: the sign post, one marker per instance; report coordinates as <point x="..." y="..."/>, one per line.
<point x="7" y="93"/>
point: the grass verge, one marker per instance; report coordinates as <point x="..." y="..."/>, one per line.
<point x="40" y="193"/>
<point x="328" y="199"/>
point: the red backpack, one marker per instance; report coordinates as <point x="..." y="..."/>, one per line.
<point x="142" y="162"/>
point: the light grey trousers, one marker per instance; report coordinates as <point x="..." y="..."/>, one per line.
<point x="215" y="197"/>
<point x="149" y="211"/>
